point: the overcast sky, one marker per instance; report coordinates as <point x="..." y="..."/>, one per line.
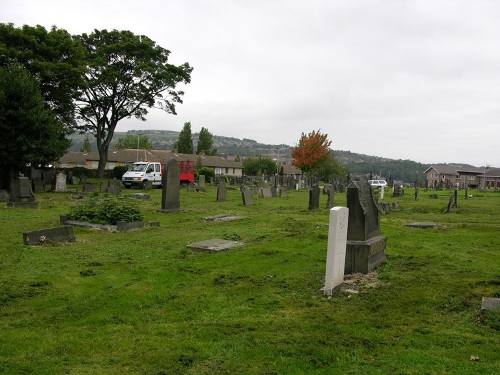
<point x="416" y="80"/>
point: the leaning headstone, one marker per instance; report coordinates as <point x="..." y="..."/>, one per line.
<point x="365" y="245"/>
<point x="221" y="192"/>
<point x="314" y="194"/>
<point x="247" y="196"/>
<point x="83" y="179"/>
<point x="337" y="241"/>
<point x="450" y="204"/>
<point x="171" y="195"/>
<point x="60" y="183"/>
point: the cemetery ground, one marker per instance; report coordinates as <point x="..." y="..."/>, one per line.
<point x="141" y="302"/>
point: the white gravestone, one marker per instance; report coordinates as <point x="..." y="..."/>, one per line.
<point x="382" y="192"/>
<point x="337" y="242"/>
<point x="60" y="183"/>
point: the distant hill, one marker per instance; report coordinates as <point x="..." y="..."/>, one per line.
<point x="357" y="164"/>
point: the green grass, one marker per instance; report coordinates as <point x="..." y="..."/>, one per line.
<point x="142" y="303"/>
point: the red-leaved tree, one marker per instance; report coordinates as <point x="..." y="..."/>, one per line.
<point x="311" y="152"/>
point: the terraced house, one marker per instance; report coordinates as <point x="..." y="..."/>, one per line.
<point x="447" y="176"/>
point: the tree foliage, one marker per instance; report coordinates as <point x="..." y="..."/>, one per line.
<point x="205" y="143"/>
<point x="330" y="168"/>
<point x="184" y="144"/>
<point x="130" y="142"/>
<point x="312" y="150"/>
<point x="126" y="75"/>
<point x="31" y="133"/>
<point x="54" y="58"/>
<point x="260" y="165"/>
<point x="86" y="147"/>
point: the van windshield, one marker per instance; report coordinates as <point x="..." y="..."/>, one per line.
<point x="139" y="168"/>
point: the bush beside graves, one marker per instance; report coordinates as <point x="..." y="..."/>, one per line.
<point x="105" y="209"/>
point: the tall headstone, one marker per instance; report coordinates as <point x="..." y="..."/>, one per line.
<point x="382" y="192"/>
<point x="221" y="192"/>
<point x="170" y="197"/>
<point x="365" y="245"/>
<point x="201" y="183"/>
<point x="21" y="194"/>
<point x="337" y="242"/>
<point x="314" y="194"/>
<point x="455" y="198"/>
<point x="60" y="183"/>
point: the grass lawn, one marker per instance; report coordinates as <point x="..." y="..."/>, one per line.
<point x="142" y="303"/>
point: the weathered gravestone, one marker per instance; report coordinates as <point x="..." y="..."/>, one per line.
<point x="60" y="185"/>
<point x="450" y="204"/>
<point x="330" y="202"/>
<point x="398" y="191"/>
<point x="365" y="245"/>
<point x="265" y="192"/>
<point x="247" y="196"/>
<point x="221" y="192"/>
<point x="44" y="236"/>
<point x="38" y="185"/>
<point x="201" y="183"/>
<point x="455" y="198"/>
<point x="21" y="194"/>
<point x="83" y="179"/>
<point x="88" y="188"/>
<point x="283" y="191"/>
<point x="314" y="194"/>
<point x="273" y="191"/>
<point x="171" y="195"/>
<point x="114" y="187"/>
<point x="337" y="241"/>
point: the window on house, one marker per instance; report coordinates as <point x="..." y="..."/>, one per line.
<point x="472" y="178"/>
<point x="64" y="165"/>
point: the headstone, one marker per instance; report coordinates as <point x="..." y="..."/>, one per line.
<point x="201" y="183"/>
<point x="398" y="191"/>
<point x="330" y="201"/>
<point x="490" y="304"/>
<point x="60" y="183"/>
<point x="337" y="241"/>
<point x="88" y="188"/>
<point x="113" y="189"/>
<point x="365" y="245"/>
<point x="190" y="187"/>
<point x="450" y="204"/>
<point x="382" y="192"/>
<point x="147" y="185"/>
<point x="416" y="194"/>
<point x="467" y="193"/>
<point x="283" y="191"/>
<point x="221" y="192"/>
<point x="103" y="188"/>
<point x="44" y="236"/>
<point x="265" y="192"/>
<point x="247" y="196"/>
<point x="21" y="194"/>
<point x="273" y="191"/>
<point x="83" y="179"/>
<point x="170" y="197"/>
<point x="455" y="198"/>
<point x="38" y="185"/>
<point x="69" y="179"/>
<point x="314" y="194"/>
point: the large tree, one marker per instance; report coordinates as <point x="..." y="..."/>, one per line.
<point x="184" y="144"/>
<point x="205" y="143"/>
<point x="127" y="75"/>
<point x="54" y="58"/>
<point x="30" y="132"/>
<point x="311" y="152"/>
<point x="260" y="165"/>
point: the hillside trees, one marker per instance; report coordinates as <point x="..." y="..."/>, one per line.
<point x="184" y="144"/>
<point x="311" y="152"/>
<point x="126" y="75"/>
<point x="31" y="132"/>
<point x="131" y="141"/>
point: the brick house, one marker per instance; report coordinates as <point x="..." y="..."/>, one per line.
<point x="446" y="176"/>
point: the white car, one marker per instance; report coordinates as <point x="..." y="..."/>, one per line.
<point x="377" y="183"/>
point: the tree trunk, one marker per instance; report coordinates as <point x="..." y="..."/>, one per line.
<point x="103" y="159"/>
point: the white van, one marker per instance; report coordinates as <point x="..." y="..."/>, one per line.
<point x="377" y="183"/>
<point x="141" y="172"/>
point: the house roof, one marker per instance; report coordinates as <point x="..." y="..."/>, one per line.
<point x="130" y="156"/>
<point x="454" y="170"/>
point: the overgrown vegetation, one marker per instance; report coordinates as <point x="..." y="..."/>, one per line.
<point x="141" y="302"/>
<point x="105" y="209"/>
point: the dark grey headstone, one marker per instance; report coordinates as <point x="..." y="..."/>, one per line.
<point x="170" y="197"/>
<point x="201" y="183"/>
<point x="39" y="237"/>
<point x="330" y="202"/>
<point x="21" y="191"/>
<point x="283" y="192"/>
<point x="273" y="191"/>
<point x="83" y="179"/>
<point x="38" y="185"/>
<point x="314" y="194"/>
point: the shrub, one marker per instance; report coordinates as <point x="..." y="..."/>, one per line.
<point x="119" y="171"/>
<point x="106" y="209"/>
<point x="208" y="172"/>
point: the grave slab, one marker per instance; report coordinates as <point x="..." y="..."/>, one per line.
<point x="490" y="304"/>
<point x="59" y="235"/>
<point x="424" y="225"/>
<point x="227" y="217"/>
<point x="215" y="245"/>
